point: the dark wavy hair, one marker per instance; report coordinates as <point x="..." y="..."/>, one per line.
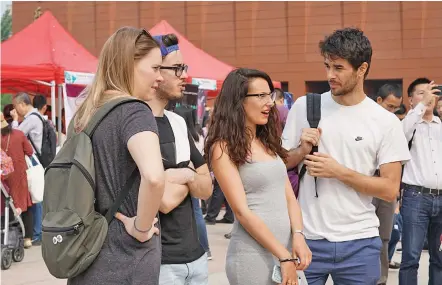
<point x="228" y="120"/>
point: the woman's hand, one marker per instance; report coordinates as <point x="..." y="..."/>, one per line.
<point x="129" y="225"/>
<point x="301" y="251"/>
<point x="288" y="272"/>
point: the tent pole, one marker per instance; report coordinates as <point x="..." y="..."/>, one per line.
<point x="43" y="83"/>
<point x="53" y="100"/>
<point x="60" y="101"/>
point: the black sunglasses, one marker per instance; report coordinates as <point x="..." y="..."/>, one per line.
<point x="179" y="69"/>
<point x="142" y="32"/>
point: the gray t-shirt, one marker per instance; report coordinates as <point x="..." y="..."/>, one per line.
<point x="123" y="259"/>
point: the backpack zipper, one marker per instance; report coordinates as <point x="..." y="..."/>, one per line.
<point x="85" y="173"/>
<point x="78" y="165"/>
<point x="75" y="229"/>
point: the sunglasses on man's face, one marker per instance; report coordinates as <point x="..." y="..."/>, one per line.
<point x="179" y="69"/>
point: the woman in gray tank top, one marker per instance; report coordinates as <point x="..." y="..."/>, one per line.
<point x="246" y="155"/>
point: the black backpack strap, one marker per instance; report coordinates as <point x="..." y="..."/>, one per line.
<point x="313" y="117"/>
<point x="122" y="196"/>
<point x="29" y="137"/>
<point x="103" y="111"/>
<point x="410" y="143"/>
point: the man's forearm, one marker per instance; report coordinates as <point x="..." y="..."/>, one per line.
<point x="201" y="186"/>
<point x="380" y="187"/>
<point x="174" y="195"/>
<point x="295" y="157"/>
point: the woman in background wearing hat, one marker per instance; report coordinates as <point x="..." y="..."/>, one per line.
<point x="16" y="146"/>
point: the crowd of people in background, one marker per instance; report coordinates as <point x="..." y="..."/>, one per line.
<point x="373" y="171"/>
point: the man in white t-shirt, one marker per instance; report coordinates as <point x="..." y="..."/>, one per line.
<point x="355" y="136"/>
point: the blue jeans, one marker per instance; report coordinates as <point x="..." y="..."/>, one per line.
<point x="348" y="263"/>
<point x="420" y="212"/>
<point x="200" y="224"/>
<point x="396" y="234"/>
<point x="194" y="273"/>
<point x="37" y="212"/>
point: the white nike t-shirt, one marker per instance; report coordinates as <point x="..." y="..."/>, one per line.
<point x="360" y="137"/>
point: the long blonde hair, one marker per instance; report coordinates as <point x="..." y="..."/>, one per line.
<point x="115" y="72"/>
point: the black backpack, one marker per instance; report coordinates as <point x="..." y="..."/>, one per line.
<point x="48" y="143"/>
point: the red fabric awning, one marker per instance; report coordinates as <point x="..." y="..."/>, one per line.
<point x="42" y="51"/>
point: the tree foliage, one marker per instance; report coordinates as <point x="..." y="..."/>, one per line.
<point x="6" y="25"/>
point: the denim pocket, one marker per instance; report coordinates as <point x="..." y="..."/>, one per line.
<point x="411" y="205"/>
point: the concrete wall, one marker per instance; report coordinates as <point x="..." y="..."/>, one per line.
<point x="280" y="38"/>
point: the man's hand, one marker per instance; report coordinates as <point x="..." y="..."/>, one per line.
<point x="301" y="251"/>
<point x="430" y="94"/>
<point x="309" y="138"/>
<point x="322" y="165"/>
<point x="179" y="175"/>
<point x="14" y="115"/>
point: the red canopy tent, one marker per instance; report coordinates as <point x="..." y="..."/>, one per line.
<point x="201" y="64"/>
<point x="42" y="52"/>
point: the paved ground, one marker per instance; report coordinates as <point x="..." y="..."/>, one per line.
<point x="32" y="270"/>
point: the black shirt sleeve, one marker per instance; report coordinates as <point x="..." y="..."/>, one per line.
<point x="195" y="156"/>
<point x="136" y="118"/>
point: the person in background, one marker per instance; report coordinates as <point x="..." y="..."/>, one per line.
<point x="401" y="112"/>
<point x="439" y="106"/>
<point x="16" y="146"/>
<point x="283" y="111"/>
<point x="421" y="208"/>
<point x="388" y="97"/>
<point x="7" y="113"/>
<point x="32" y="127"/>
<point x="245" y="153"/>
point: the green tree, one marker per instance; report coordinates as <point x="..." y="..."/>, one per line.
<point x="6" y="25"/>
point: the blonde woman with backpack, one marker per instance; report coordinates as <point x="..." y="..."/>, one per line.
<point x="113" y="152"/>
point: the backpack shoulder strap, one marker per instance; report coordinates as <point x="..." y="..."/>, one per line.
<point x="123" y="194"/>
<point x="105" y="110"/>
<point x="410" y="143"/>
<point x="313" y="109"/>
<point x="37" y="115"/>
<point x="313" y="105"/>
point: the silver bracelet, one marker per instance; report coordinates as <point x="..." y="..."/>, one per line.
<point x="135" y="226"/>
<point x="299" y="232"/>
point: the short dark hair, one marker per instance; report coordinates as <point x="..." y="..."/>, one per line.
<point x="402" y="110"/>
<point x="23" y="97"/>
<point x="169" y="40"/>
<point x="279" y="94"/>
<point x="350" y="44"/>
<point x="419" y="81"/>
<point x="39" y="102"/>
<point x="389" y="89"/>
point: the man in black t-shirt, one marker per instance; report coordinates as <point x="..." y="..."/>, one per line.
<point x="183" y="259"/>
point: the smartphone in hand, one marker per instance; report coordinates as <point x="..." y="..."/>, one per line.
<point x="277" y="276"/>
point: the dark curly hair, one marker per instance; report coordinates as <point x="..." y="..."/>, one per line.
<point x="228" y="121"/>
<point x="350" y="44"/>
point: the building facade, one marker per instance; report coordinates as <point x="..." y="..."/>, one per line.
<point x="280" y="38"/>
